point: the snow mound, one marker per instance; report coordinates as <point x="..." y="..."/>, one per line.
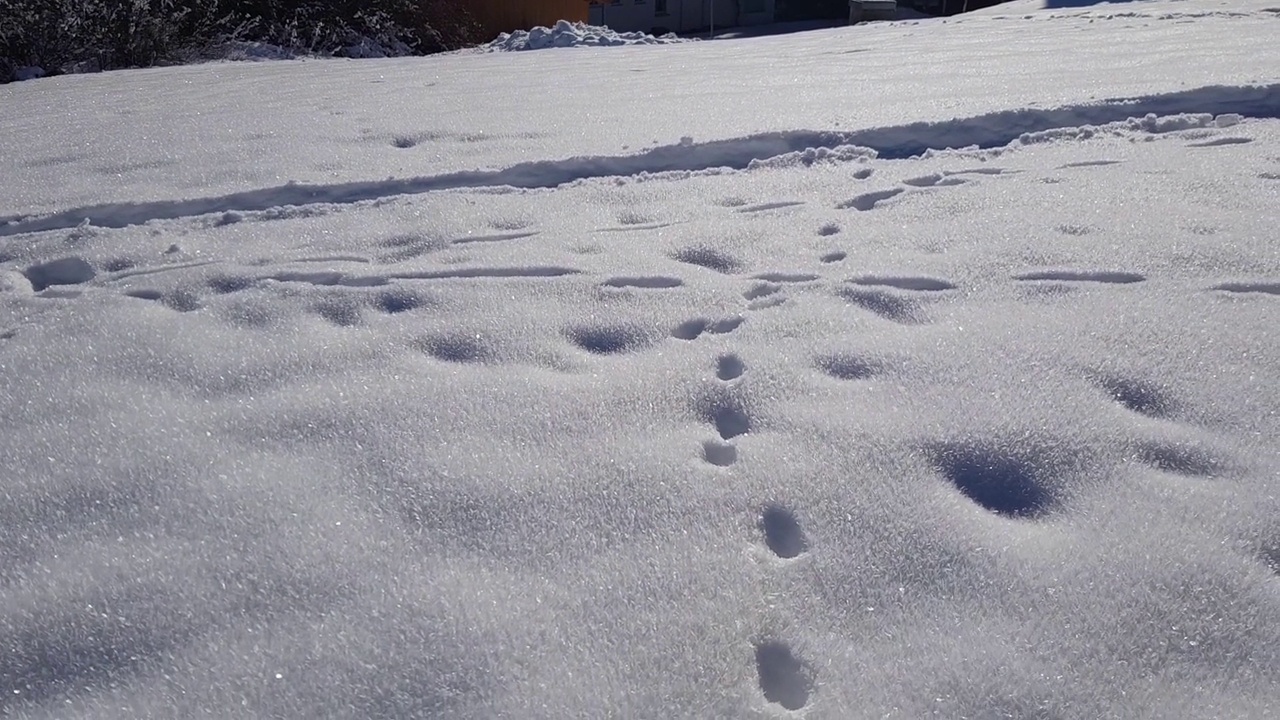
<point x="571" y="34"/>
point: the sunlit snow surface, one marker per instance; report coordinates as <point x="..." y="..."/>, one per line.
<point x="682" y="381"/>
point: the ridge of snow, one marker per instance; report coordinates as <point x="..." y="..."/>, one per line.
<point x="574" y="34"/>
<point x="1153" y="114"/>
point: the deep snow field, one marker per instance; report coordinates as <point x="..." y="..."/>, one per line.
<point x="683" y="381"/>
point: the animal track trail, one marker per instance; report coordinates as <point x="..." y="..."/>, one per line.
<point x="950" y="178"/>
<point x="729" y="420"/>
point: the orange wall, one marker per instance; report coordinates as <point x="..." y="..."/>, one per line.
<point x="506" y="15"/>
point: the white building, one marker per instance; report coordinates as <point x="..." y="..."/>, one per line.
<point x="678" y="15"/>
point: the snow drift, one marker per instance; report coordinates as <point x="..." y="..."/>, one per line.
<point x="574" y="34"/>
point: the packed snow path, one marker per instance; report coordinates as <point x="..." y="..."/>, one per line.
<point x="772" y="421"/>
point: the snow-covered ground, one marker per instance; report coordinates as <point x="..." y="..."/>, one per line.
<point x="697" y="380"/>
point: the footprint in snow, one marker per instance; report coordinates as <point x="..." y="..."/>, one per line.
<point x="979" y="171"/>
<point x="496" y="237"/>
<point x="461" y="348"/>
<point x="64" y="271"/>
<point x="1266" y="288"/>
<point x="935" y="180"/>
<point x="848" y="367"/>
<point x="1220" y="142"/>
<point x="897" y="298"/>
<point x="1180" y="459"/>
<point x="1090" y="163"/>
<point x="782" y="532"/>
<point x="693" y="329"/>
<point x="609" y="338"/>
<point x="1015" y="483"/>
<point x="764" y="295"/>
<point x="650" y="282"/>
<point x="709" y="258"/>
<point x="868" y="201"/>
<point x="905" y="282"/>
<point x="784" y="679"/>
<point x="730" y="367"/>
<point x="1095" y="276"/>
<point x="889" y="305"/>
<point x="1137" y="395"/>
<point x="764" y="207"/>
<point x="342" y="311"/>
<point x="785" y="277"/>
<point x="719" y="453"/>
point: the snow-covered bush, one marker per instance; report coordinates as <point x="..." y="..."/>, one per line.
<point x="79" y="35"/>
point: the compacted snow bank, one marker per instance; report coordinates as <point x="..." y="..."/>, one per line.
<point x="571" y="34"/>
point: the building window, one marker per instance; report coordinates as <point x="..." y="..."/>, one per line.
<point x="659" y="7"/>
